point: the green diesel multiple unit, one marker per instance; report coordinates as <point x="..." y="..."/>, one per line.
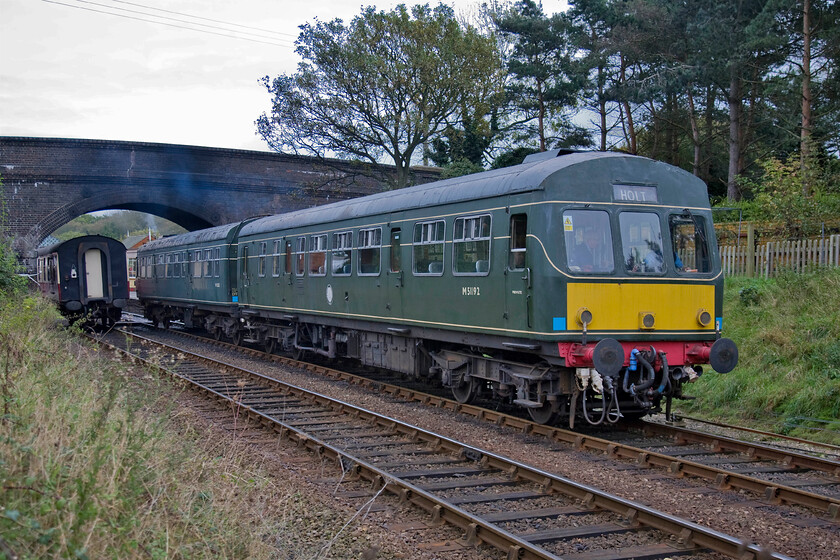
<point x="578" y="284"/>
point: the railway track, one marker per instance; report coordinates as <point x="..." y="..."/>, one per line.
<point x="522" y="511"/>
<point x="781" y="476"/>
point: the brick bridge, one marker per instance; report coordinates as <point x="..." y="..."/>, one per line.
<point x="47" y="182"/>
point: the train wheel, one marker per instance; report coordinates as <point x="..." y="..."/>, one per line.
<point x="270" y="345"/>
<point x="543" y="414"/>
<point x="165" y="322"/>
<point x="466" y="392"/>
<point x="217" y="333"/>
<point x="236" y="337"/>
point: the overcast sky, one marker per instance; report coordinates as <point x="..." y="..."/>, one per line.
<point x="68" y="70"/>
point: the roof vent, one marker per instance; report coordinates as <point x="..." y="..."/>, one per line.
<point x="549" y="154"/>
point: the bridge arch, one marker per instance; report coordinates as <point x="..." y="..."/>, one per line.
<point x="49" y="181"/>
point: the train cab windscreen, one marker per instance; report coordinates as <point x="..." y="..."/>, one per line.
<point x="588" y="236"/>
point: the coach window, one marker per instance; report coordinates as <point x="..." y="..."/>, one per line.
<point x="197" y="264"/>
<point x="217" y="262"/>
<point x="275" y="269"/>
<point x="370" y="247"/>
<point x="176" y="268"/>
<point x="471" y="246"/>
<point x="342" y="251"/>
<point x="300" y="256"/>
<point x="318" y="255"/>
<point x="689" y="243"/>
<point x="261" y="269"/>
<point x="588" y="237"/>
<point x="641" y="241"/>
<point x="518" y="229"/>
<point x="160" y="266"/>
<point x="428" y="248"/>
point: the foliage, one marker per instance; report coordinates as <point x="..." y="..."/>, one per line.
<point x="546" y="79"/>
<point x="11" y="280"/>
<point x="381" y="86"/>
<point x="798" y="199"/>
<point x="116" y="225"/>
<point x="787" y="331"/>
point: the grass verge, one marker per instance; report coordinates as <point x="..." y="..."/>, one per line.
<point x="96" y="462"/>
<point x="788" y="334"/>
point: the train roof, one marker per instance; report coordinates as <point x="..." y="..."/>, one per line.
<point x="55" y="248"/>
<point x="531" y="175"/>
<point x="218" y="233"/>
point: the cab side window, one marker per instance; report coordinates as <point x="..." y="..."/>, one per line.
<point x="518" y="234"/>
<point x="690" y="244"/>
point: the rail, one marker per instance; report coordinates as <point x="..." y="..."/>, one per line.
<point x="272" y="403"/>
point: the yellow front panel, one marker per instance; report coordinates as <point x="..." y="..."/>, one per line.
<point x="616" y="307"/>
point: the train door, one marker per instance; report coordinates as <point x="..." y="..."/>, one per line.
<point x="394" y="275"/>
<point x="94" y="274"/>
<point x="518" y="295"/>
<point x="244" y="275"/>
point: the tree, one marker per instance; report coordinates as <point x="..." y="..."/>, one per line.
<point x="379" y="87"/>
<point x="545" y="78"/>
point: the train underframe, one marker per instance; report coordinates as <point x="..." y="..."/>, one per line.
<point x="592" y="385"/>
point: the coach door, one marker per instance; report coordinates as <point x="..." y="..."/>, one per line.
<point x="94" y="275"/>
<point x="519" y="302"/>
<point x="394" y="275"/>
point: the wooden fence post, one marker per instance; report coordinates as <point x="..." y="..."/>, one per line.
<point x="750" y="250"/>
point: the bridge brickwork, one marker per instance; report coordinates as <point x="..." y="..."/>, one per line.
<point x="48" y="181"/>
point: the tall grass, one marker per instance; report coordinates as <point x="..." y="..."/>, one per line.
<point x="788" y="334"/>
<point x="95" y="462"/>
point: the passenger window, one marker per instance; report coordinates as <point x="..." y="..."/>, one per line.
<point x="428" y="248"/>
<point x="261" y="268"/>
<point x="396" y="264"/>
<point x="275" y="269"/>
<point x="300" y="256"/>
<point x="690" y="243"/>
<point x="318" y="255"/>
<point x="518" y="233"/>
<point x="217" y="262"/>
<point x="641" y="241"/>
<point x="342" y="263"/>
<point x="207" y="263"/>
<point x="588" y="237"/>
<point x="471" y="246"/>
<point x="197" y="264"/>
<point x="370" y="248"/>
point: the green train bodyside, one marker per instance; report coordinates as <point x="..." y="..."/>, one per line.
<point x="518" y="304"/>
